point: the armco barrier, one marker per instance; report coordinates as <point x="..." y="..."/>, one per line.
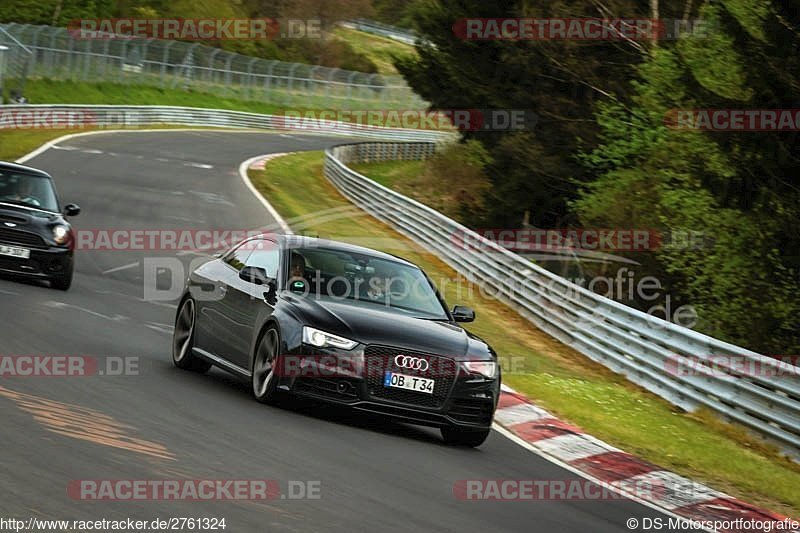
<point x="635" y="344"/>
<point x="384" y="30"/>
<point x="118" y="116"/>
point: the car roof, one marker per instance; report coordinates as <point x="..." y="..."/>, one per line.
<point x="15" y="167"/>
<point x="301" y="241"/>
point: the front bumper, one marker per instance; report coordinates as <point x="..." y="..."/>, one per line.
<point x="44" y="263"/>
<point x="461" y="399"/>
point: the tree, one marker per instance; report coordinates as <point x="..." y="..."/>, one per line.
<point x="534" y="170"/>
<point x="735" y="188"/>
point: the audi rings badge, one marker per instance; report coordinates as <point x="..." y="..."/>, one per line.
<point x="411" y="363"/>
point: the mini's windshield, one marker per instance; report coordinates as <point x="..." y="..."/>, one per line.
<point x="322" y="272"/>
<point x="28" y="190"/>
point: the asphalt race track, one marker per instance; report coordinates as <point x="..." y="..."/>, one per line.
<point x="165" y="423"/>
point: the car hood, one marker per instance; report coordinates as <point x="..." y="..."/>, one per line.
<point x="23" y="216"/>
<point x="369" y="323"/>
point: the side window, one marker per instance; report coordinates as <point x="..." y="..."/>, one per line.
<point x="238" y="257"/>
<point x="267" y="256"/>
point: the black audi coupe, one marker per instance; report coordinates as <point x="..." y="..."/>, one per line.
<point x="343" y="324"/>
<point x="36" y="241"/>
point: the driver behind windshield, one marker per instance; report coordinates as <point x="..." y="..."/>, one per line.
<point x="378" y="285"/>
<point x="24" y="193"/>
<point x="297" y="271"/>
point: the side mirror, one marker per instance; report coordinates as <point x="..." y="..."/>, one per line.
<point x="462" y="313"/>
<point x="72" y="210"/>
<point x="254" y="274"/>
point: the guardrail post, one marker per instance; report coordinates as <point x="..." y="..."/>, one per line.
<point x="164" y="62"/>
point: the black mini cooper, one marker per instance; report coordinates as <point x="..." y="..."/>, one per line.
<point x="342" y="324"/>
<point x="36" y="241"/>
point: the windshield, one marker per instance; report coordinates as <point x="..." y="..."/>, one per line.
<point x="28" y="190"/>
<point x="321" y="272"/>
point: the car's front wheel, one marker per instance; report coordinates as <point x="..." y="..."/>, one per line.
<point x="64" y="281"/>
<point x="265" y="382"/>
<point x="464" y="437"/>
<point x="183" y="339"/>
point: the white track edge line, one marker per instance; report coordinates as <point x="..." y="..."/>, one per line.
<point x="243" y="167"/>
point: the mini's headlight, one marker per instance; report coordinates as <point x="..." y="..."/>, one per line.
<point x="321" y="339"/>
<point x="60" y="234"/>
<point x="487" y="369"/>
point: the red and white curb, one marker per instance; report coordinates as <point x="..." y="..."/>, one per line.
<point x="598" y="461"/>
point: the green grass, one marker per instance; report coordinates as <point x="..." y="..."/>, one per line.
<point x="379" y="50"/>
<point x="399" y="175"/>
<point x="16" y="143"/>
<point x="556" y="377"/>
<point x="133" y="92"/>
<point x="45" y="91"/>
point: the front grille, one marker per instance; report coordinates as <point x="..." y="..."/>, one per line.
<point x="442" y="370"/>
<point x="471" y="411"/>
<point x="25" y="238"/>
<point x="4" y="217"/>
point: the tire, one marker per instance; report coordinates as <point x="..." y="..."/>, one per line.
<point x="63" y="282"/>
<point x="183" y="339"/>
<point x="464" y="437"/>
<point x="264" y="381"/>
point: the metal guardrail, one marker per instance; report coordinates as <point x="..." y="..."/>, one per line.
<point x="384" y="30"/>
<point x="57" y="54"/>
<point x="640" y="346"/>
<point x="117" y="116"/>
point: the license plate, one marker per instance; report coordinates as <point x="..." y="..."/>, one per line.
<point x="13" y="251"/>
<point x="402" y="381"/>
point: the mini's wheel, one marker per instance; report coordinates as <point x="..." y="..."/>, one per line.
<point x="64" y="281"/>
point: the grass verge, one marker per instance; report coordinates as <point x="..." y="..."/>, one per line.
<point x="131" y="92"/>
<point x="696" y="445"/>
<point x="380" y="50"/>
<point x="46" y="91"/>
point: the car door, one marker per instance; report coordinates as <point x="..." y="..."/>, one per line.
<point x="214" y="332"/>
<point x="245" y="302"/>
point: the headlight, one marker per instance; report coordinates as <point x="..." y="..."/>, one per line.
<point x="321" y="339"/>
<point x="487" y="369"/>
<point x="60" y="234"/>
